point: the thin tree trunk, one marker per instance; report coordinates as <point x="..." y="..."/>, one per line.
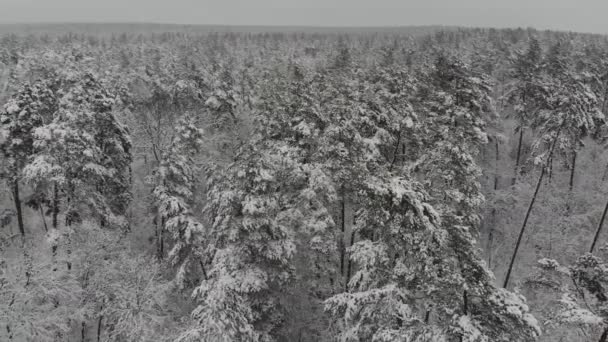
<point x="350" y="263"/>
<point x="491" y="238"/>
<point x="517" y="159"/>
<point x="605" y="101"/>
<point x="496" y="177"/>
<point x="465" y="307"/>
<point x="161" y="241"/>
<point x="204" y="270"/>
<point x="550" y="243"/>
<point x="55" y="205"/>
<point x="493" y="220"/>
<point x="599" y="229"/>
<point x="17" y="201"/>
<point x="46" y="228"/>
<point x="83" y="331"/>
<point x="550" y="169"/>
<point x="69" y="211"/>
<point x="99" y="325"/>
<point x="465" y="300"/>
<point x="523" y="227"/>
<point x="342" y="230"/>
<point x="571" y="184"/>
<point x="396" y="151"/>
<point x="572" y="171"/>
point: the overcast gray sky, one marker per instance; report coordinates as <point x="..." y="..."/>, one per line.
<point x="574" y="15"/>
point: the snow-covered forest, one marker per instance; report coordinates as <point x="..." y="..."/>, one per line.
<point x="436" y="184"/>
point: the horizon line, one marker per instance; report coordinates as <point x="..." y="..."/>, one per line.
<point x="294" y="26"/>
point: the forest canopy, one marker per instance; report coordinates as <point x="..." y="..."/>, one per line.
<point x="433" y="184"/>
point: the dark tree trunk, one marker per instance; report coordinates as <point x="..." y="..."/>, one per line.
<point x="493" y="220"/>
<point x="55" y="205"/>
<point x="550" y="169"/>
<point x="83" y="331"/>
<point x="491" y="237"/>
<point x="465" y="301"/>
<point x="161" y="246"/>
<point x="99" y="326"/>
<point x="158" y="236"/>
<point x="161" y="240"/>
<point x="46" y="228"/>
<point x="342" y="230"/>
<point x="17" y="201"/>
<point x="396" y="151"/>
<point x="599" y="229"/>
<point x="517" y="159"/>
<point x="572" y="171"/>
<point x="523" y="227"/>
<point x="571" y="183"/>
<point x="605" y="100"/>
<point x="496" y="176"/>
<point x="350" y="263"/>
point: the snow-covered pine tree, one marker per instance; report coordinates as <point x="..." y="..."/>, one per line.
<point x="86" y="152"/>
<point x="526" y="92"/>
<point x="571" y="104"/>
<point x="30" y="108"/>
<point x="414" y="263"/>
<point x="273" y="193"/>
<point x="570" y="112"/>
<point x="174" y="185"/>
<point x="575" y="294"/>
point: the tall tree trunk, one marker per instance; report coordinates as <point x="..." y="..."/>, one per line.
<point x="465" y="302"/>
<point x="55" y="205"/>
<point x="342" y="231"/>
<point x="491" y="238"/>
<point x="396" y="150"/>
<point x="69" y="211"/>
<point x="46" y="228"/>
<point x="17" y="201"/>
<point x="550" y="169"/>
<point x="465" y="307"/>
<point x="161" y="240"/>
<point x="599" y="229"/>
<point x="350" y="263"/>
<point x="571" y="183"/>
<point x="517" y="159"/>
<point x="497" y="160"/>
<point x="605" y="100"/>
<point x="493" y="220"/>
<point x="523" y="227"/>
<point x="83" y="331"/>
<point x="99" y="325"/>
<point x="572" y="171"/>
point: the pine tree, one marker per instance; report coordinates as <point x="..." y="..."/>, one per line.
<point x="85" y="151"/>
<point x="26" y="111"/>
<point x="175" y="183"/>
<point x="527" y="92"/>
<point x="273" y="193"/>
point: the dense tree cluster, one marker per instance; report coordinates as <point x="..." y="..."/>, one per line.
<point x="403" y="186"/>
